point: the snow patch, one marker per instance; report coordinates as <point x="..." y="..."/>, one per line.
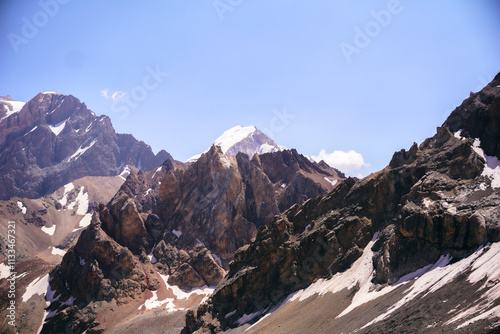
<point x="85" y="221"/>
<point x="57" y="251"/>
<point x="83" y="202"/>
<point x="21" y="206"/>
<point x="67" y="188"/>
<point x="13" y="107"/>
<point x="177" y="233"/>
<point x="492" y="167"/>
<point x="331" y="180"/>
<point x="37" y="287"/>
<point x="49" y="230"/>
<point x="57" y="128"/>
<point x="4" y="271"/>
<point x="125" y="172"/>
<point x="458" y="134"/>
<point x="153" y="302"/>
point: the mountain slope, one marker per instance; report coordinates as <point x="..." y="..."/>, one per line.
<point x="179" y="226"/>
<point x="434" y="205"/>
<point x="54" y="139"/>
<point x="45" y="227"/>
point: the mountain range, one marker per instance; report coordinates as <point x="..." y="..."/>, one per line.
<point x="54" y="139"/>
<point x="248" y="236"/>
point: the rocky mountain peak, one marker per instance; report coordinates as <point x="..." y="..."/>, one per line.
<point x="54" y="139"/>
<point x="246" y="139"/>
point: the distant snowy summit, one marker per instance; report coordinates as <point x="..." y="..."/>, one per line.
<point x="245" y="139"/>
<point x="9" y="106"/>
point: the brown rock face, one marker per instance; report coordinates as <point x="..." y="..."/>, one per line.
<point x="478" y="117"/>
<point x="96" y="269"/>
<point x="126" y="225"/>
<point x="222" y="200"/>
<point x="431" y="201"/>
<point x="55" y="139"/>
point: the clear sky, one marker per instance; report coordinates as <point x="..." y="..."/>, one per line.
<point x="358" y="78"/>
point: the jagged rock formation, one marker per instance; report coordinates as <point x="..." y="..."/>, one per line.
<point x="54" y="139"/>
<point x="96" y="269"/>
<point x="181" y="221"/>
<point x="222" y="200"/>
<point x="438" y="200"/>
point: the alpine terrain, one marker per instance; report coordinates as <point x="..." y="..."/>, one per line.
<point x="413" y="248"/>
<point x="248" y="236"/>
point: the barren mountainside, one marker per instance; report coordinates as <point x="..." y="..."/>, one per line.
<point x="176" y="226"/>
<point x="54" y="139"/>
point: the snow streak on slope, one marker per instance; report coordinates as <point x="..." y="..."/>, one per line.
<point x="49" y="230"/>
<point x="80" y="151"/>
<point x="484" y="263"/>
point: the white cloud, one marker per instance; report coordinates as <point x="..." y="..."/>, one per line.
<point x="104" y="93"/>
<point x="343" y="161"/>
<point x="115" y="96"/>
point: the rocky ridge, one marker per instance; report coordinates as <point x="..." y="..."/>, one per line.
<point x="435" y="201"/>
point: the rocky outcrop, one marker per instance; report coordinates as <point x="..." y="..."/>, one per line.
<point x="144" y="186"/>
<point x="440" y="198"/>
<point x="54" y="139"/>
<point x="478" y="117"/>
<point x="222" y="200"/>
<point x="125" y="224"/>
<point x="96" y="269"/>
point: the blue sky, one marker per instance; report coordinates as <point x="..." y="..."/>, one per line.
<point x="363" y="79"/>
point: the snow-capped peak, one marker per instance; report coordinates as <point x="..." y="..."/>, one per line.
<point x="52" y="92"/>
<point x="234" y="135"/>
<point x="245" y="139"/>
